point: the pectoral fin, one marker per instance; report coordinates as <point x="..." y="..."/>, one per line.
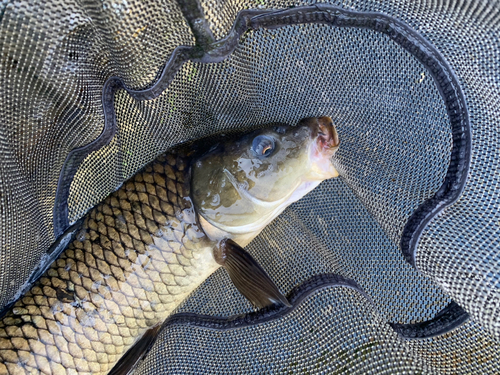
<point x="131" y="358"/>
<point x="248" y="277"/>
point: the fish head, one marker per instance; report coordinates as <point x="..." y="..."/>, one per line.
<point x="243" y="184"/>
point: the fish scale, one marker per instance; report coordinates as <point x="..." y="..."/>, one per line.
<point x="138" y="255"/>
<point x="144" y="249"/>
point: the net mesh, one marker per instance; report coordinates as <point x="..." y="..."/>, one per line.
<point x="321" y="336"/>
<point x="396" y="142"/>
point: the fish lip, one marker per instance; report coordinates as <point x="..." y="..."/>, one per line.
<point x="323" y="133"/>
<point x="327" y="137"/>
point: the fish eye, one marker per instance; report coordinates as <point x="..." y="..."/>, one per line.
<point x="263" y="145"/>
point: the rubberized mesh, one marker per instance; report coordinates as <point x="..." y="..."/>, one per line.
<point x="395" y="151"/>
<point x="56" y="58"/>
<point x="326" y="326"/>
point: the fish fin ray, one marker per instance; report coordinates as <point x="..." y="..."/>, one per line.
<point x="128" y="362"/>
<point x="248" y="276"/>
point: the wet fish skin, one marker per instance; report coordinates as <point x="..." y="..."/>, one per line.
<point x="144" y="249"/>
<point x="138" y="255"/>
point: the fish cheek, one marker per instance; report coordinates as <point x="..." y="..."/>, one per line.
<point x="228" y="195"/>
<point x="205" y="181"/>
<point x="215" y="201"/>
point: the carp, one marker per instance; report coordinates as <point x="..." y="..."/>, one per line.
<point x="151" y="243"/>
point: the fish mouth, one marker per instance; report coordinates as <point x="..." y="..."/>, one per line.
<point x="327" y="139"/>
<point x="324" y="142"/>
<point x="324" y="134"/>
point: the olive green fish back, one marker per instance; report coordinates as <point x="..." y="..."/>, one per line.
<point x="93" y="91"/>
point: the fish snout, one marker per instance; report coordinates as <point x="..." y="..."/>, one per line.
<point x="324" y="140"/>
<point x="327" y="134"/>
<point x="327" y="137"/>
<point x="323" y="132"/>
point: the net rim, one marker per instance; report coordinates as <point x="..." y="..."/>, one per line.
<point x="396" y="30"/>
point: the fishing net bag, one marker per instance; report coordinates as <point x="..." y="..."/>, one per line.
<point x="392" y="268"/>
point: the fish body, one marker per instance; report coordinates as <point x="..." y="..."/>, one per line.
<point x="151" y="243"/>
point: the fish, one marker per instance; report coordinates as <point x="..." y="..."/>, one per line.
<point x="147" y="246"/>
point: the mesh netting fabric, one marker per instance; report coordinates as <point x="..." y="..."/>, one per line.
<point x="466" y="350"/>
<point x="395" y="152"/>
<point x="465" y="33"/>
<point x="407" y="178"/>
<point x="57" y="56"/>
<point x="322" y="335"/>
